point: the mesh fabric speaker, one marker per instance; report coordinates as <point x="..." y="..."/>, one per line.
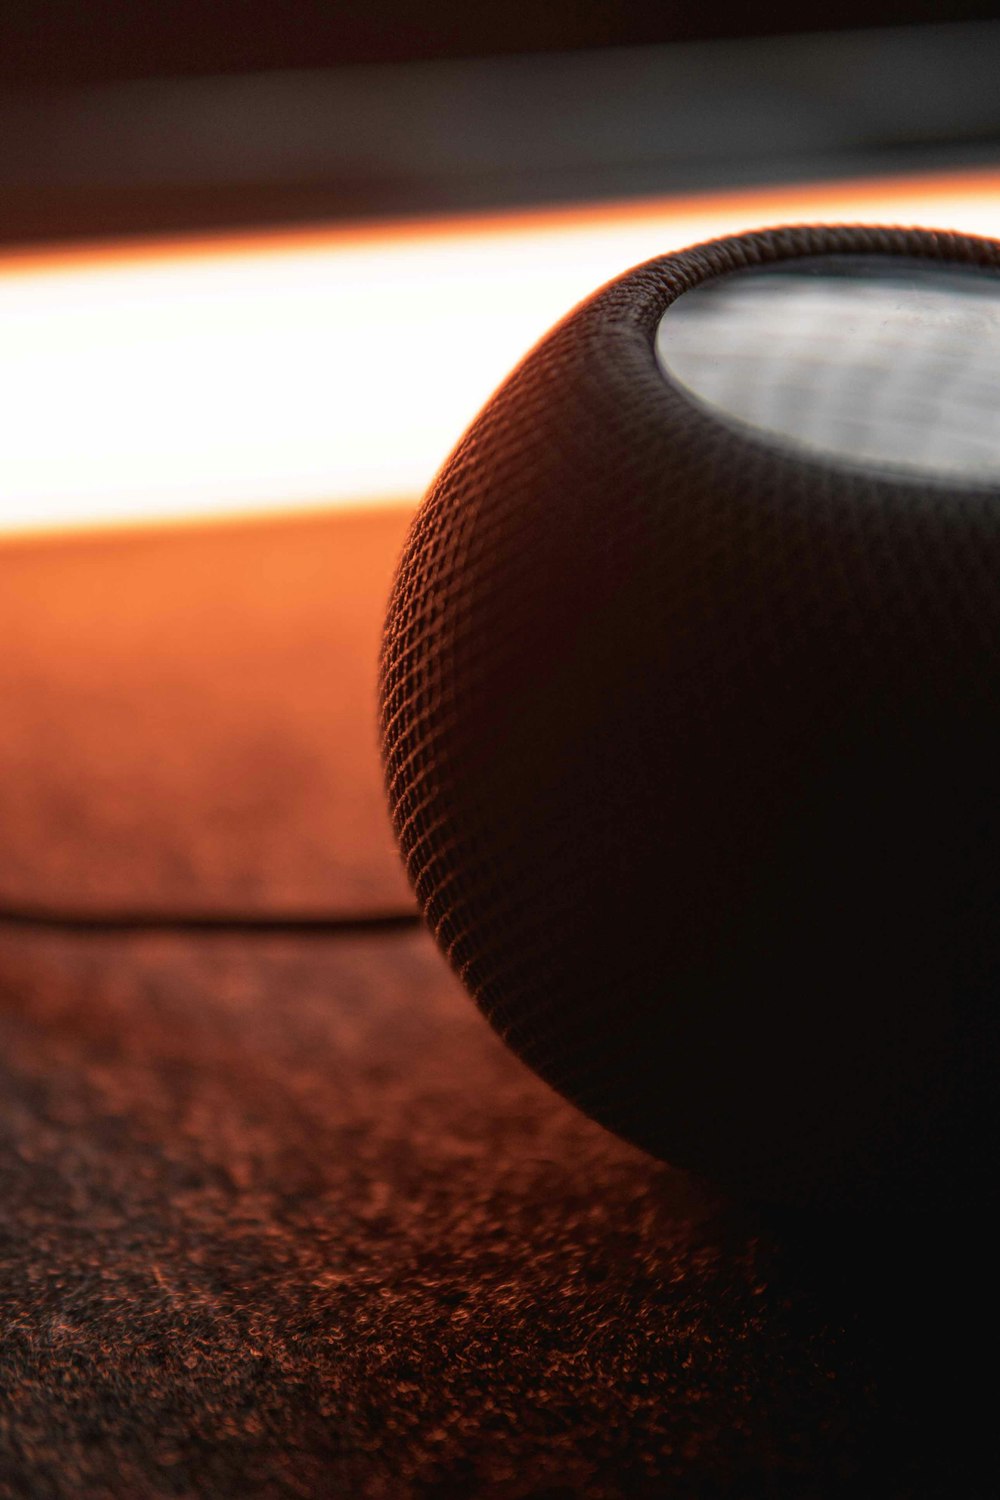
<point x="691" y="747"/>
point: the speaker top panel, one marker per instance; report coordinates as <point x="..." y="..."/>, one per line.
<point x="883" y="362"/>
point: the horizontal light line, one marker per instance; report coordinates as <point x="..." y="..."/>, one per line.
<point x="303" y="369"/>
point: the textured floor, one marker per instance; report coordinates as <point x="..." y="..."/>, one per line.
<point x="189" y="715"/>
<point x="288" y="1219"/>
<point x="283" y="1217"/>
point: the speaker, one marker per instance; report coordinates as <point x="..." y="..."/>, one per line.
<point x="690" y="713"/>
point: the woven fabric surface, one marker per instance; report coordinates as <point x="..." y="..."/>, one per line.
<point x="288" y="1220"/>
<point x="690" y="746"/>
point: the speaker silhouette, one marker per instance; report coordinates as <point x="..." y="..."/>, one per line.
<point x="690" y="711"/>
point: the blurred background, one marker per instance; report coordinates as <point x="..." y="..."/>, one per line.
<point x="265" y="263"/>
<point x="172" y="116"/>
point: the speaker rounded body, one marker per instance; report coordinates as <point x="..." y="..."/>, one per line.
<point x="692" y="744"/>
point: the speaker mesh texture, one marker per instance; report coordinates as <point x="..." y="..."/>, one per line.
<point x="690" y="746"/>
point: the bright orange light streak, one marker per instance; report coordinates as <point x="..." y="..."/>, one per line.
<point x="293" y="369"/>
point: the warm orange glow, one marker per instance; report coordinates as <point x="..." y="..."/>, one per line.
<point x="298" y="369"/>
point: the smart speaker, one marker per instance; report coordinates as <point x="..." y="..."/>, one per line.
<point x="690" y="711"/>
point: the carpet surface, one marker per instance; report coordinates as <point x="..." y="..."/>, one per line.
<point x="283" y="1217"/>
<point x="187" y="715"/>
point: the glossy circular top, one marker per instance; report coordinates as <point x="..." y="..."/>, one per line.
<point x="882" y="362"/>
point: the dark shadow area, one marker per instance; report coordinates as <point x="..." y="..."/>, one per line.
<point x="289" y="1219"/>
<point x="288" y="140"/>
<point x="46" y="41"/>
